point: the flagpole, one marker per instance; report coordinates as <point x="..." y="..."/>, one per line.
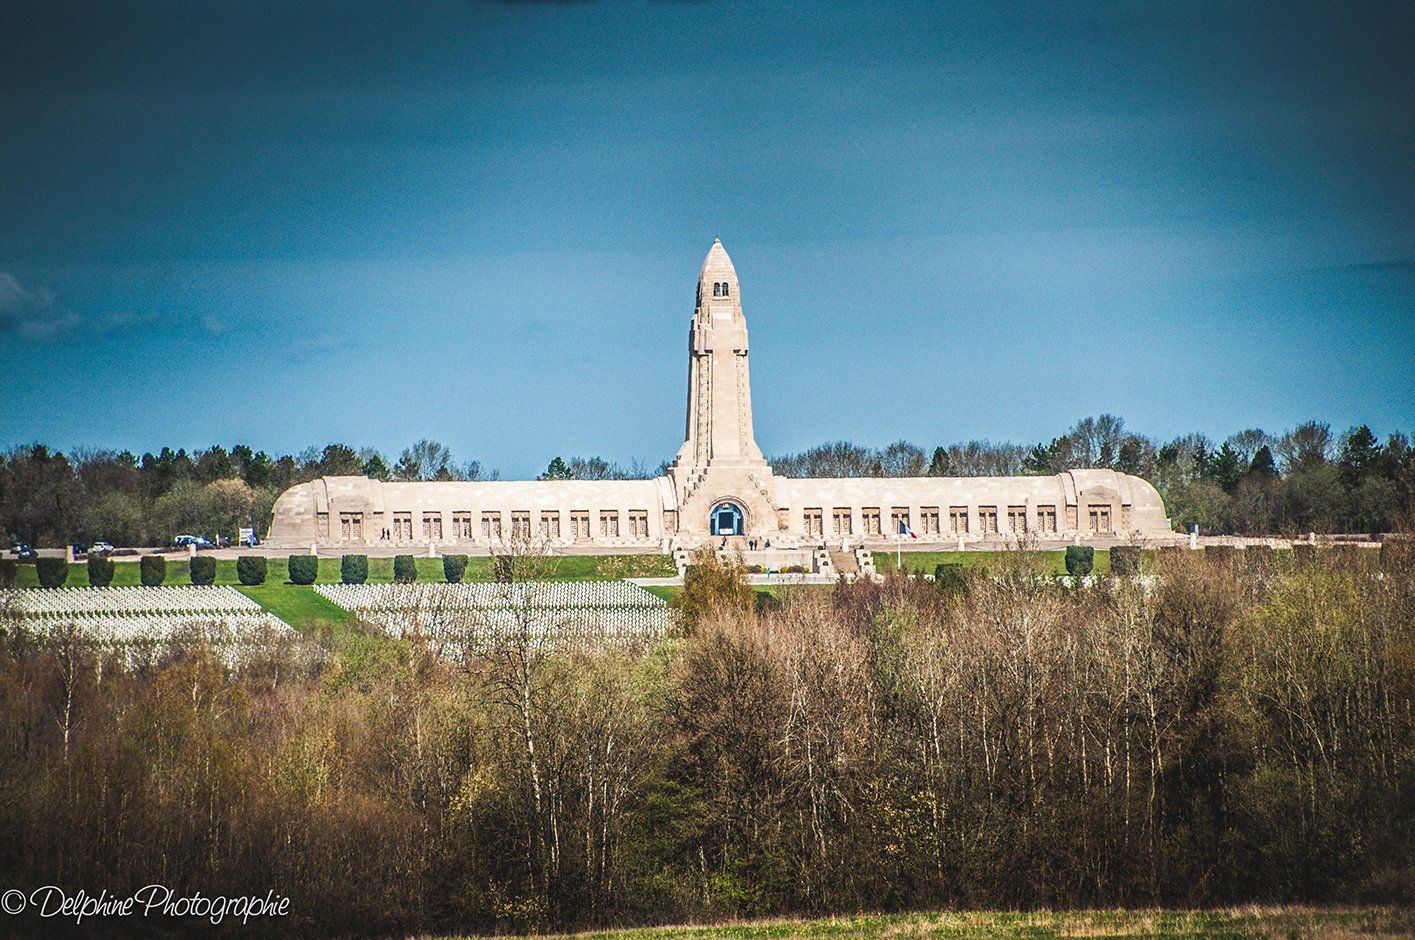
<point x="898" y="546"/>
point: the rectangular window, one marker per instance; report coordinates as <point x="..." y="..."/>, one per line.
<point x="928" y="519"/>
<point x="958" y="520"/>
<point x="639" y="523"/>
<point x="1046" y="518"/>
<point x="403" y="526"/>
<point x="580" y="524"/>
<point x="1100" y="518"/>
<point x="491" y="525"/>
<point x="1016" y="518"/>
<point x="521" y="525"/>
<point x="813" y="519"/>
<point x="432" y="525"/>
<point x="609" y="524"/>
<point x="987" y="520"/>
<point x="462" y="525"/>
<point x="842" y="520"/>
<point x="870" y="517"/>
<point x="550" y="525"/>
<point x="899" y="516"/>
<point x="351" y="526"/>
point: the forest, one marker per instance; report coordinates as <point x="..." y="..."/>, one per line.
<point x="1238" y="728"/>
<point x="1303" y="480"/>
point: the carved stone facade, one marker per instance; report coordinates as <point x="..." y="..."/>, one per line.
<point x="718" y="487"/>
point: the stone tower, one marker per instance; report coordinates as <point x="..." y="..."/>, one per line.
<point x="723" y="483"/>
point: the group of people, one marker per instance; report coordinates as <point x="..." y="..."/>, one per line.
<point x="752" y="544"/>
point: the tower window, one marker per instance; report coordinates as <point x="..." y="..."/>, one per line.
<point x="716" y="289"/>
<point x="724" y="288"/>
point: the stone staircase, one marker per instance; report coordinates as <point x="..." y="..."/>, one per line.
<point x="844" y="563"/>
<point x="865" y="559"/>
<point x="680" y="560"/>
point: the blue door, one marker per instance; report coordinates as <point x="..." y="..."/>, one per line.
<point x="726" y="519"/>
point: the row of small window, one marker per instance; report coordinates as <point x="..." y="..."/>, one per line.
<point x="931" y="519"/>
<point x="721" y="289"/>
<point x="351" y="525"/>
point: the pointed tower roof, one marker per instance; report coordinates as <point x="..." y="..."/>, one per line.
<point x="717" y="267"/>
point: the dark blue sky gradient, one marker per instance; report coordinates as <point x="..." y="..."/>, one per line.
<point x="286" y="224"/>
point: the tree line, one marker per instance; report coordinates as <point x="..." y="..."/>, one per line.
<point x="49" y="498"/>
<point x="1239" y="730"/>
<point x="1303" y="480"/>
<point x="1253" y="483"/>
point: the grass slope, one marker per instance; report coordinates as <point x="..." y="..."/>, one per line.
<point x="298" y="606"/>
<point x="1254" y="922"/>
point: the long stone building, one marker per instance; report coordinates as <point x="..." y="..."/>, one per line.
<point x="720" y="487"/>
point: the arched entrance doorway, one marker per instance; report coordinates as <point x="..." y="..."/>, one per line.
<point x="726" y="518"/>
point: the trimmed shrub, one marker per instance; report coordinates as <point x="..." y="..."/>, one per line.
<point x="1080" y="559"/>
<point x="1350" y="558"/>
<point x="503" y="568"/>
<point x="1304" y="555"/>
<point x="250" y="569"/>
<point x="405" y="569"/>
<point x="303" y="569"/>
<point x="1259" y="558"/>
<point x="1396" y="553"/>
<point x="1221" y="554"/>
<point x="1125" y="561"/>
<point x="794" y="569"/>
<point x="453" y="567"/>
<point x="353" y="569"/>
<point x="100" y="571"/>
<point x="9" y="572"/>
<point x="765" y="603"/>
<point x="949" y="576"/>
<point x="52" y="572"/>
<point x="203" y="570"/>
<point x="152" y="569"/>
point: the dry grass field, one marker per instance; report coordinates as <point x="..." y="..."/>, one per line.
<point x="1307" y="923"/>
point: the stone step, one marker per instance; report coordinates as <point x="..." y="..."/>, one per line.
<point x="844" y="563"/>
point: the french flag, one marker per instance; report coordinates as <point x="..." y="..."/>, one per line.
<point x="905" y="530"/>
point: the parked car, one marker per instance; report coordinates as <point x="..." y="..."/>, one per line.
<point x="200" y="541"/>
<point x="79" y="547"/>
<point x="25" y="553"/>
<point x="100" y="548"/>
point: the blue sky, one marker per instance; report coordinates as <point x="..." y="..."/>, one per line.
<point x="288" y="224"/>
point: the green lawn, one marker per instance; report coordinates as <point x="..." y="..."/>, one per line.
<point x="1231" y="923"/>
<point x="300" y="607"/>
